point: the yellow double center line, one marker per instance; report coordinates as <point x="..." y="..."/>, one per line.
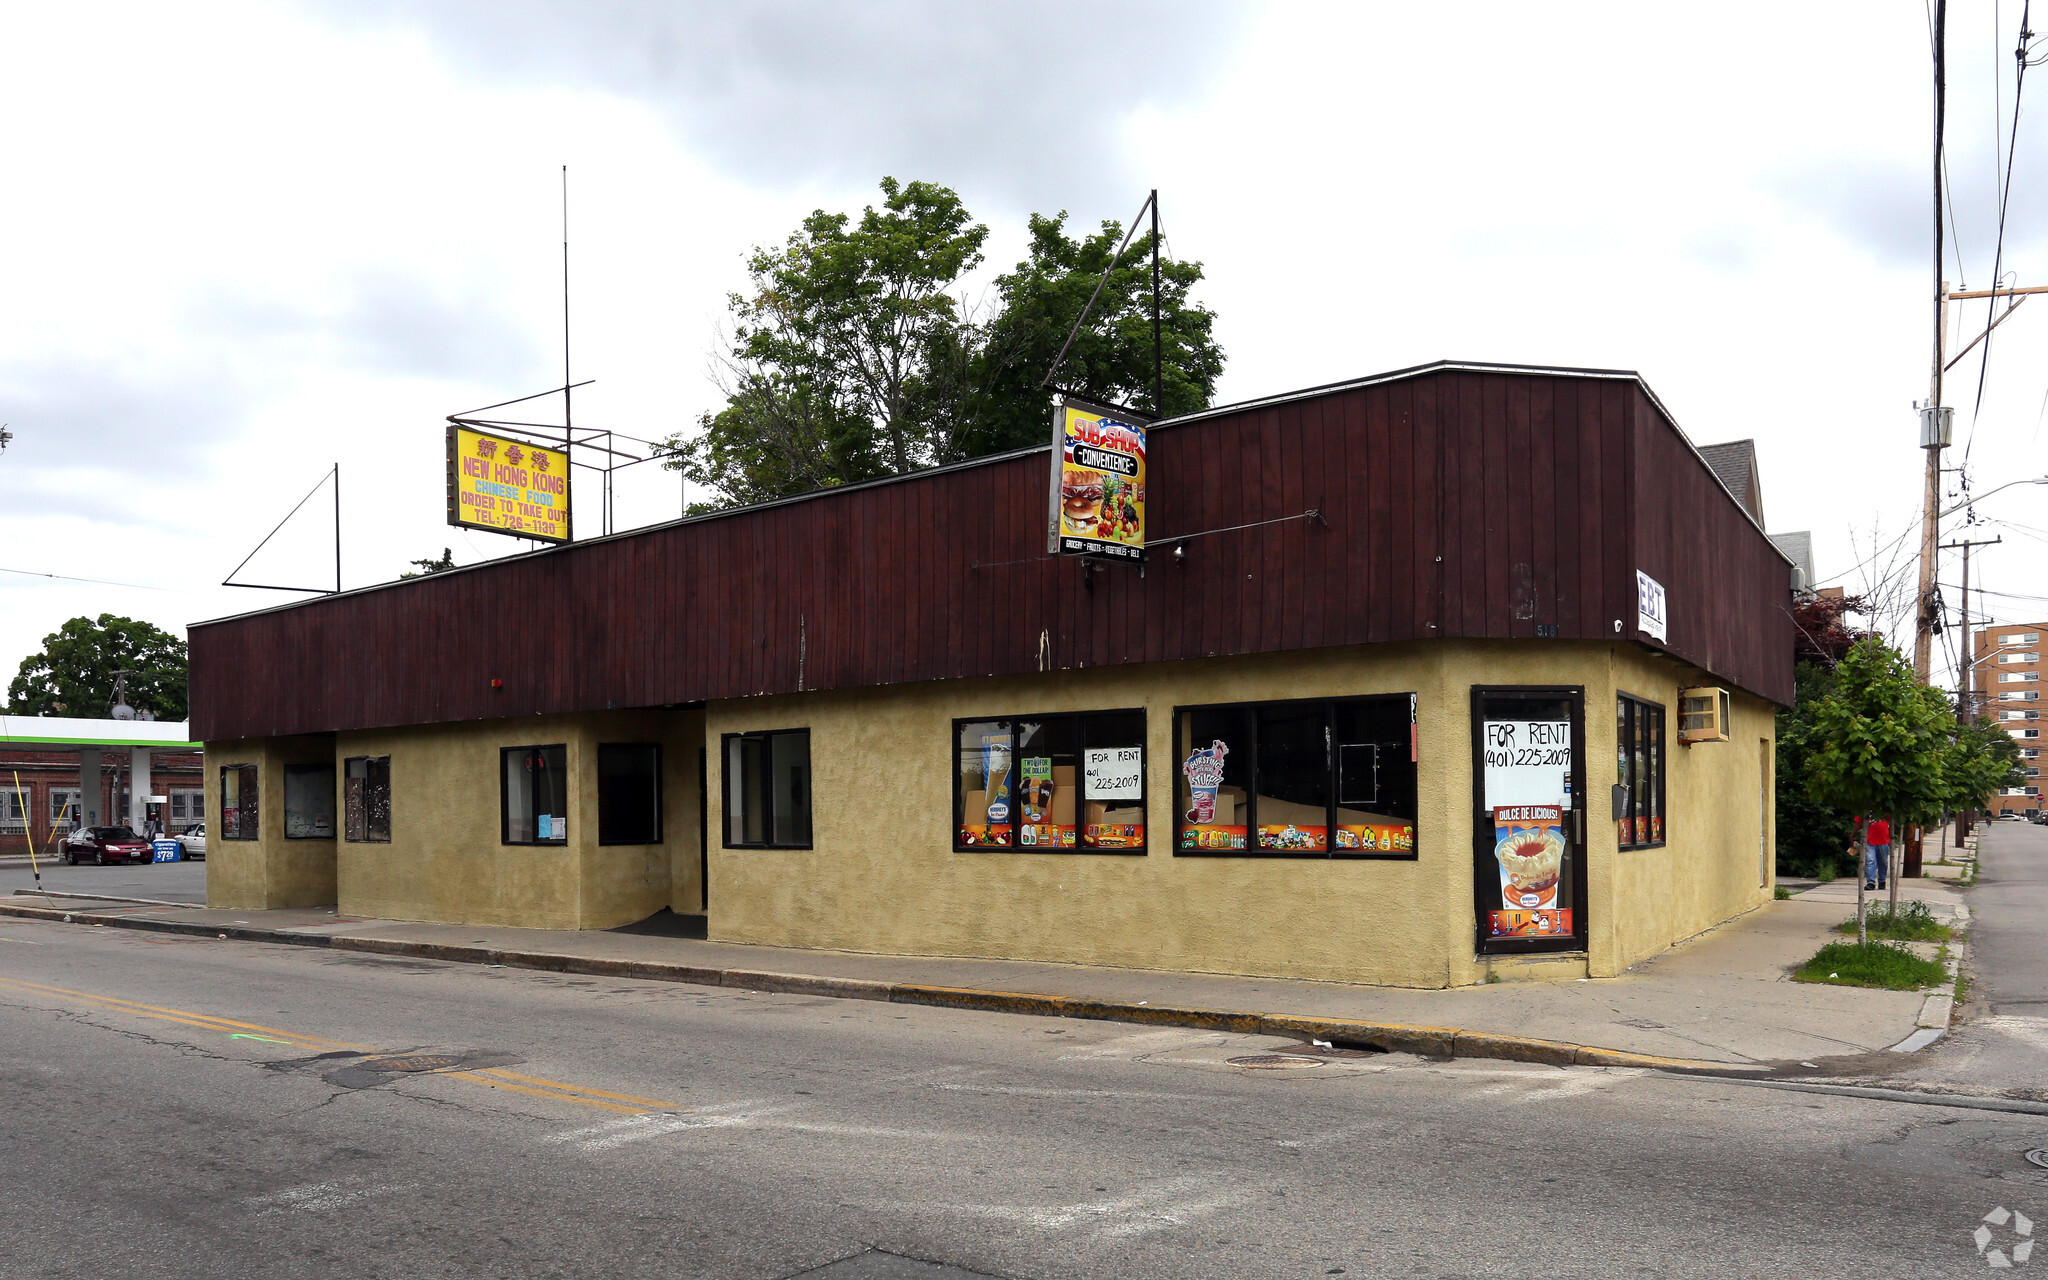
<point x="489" y="1077"/>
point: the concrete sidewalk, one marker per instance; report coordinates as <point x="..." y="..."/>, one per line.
<point x="1718" y="1001"/>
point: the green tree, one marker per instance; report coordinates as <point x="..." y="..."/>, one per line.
<point x="1983" y="761"/>
<point x="1110" y="359"/>
<point x="853" y="357"/>
<point x="1882" y="743"/>
<point x="74" y="673"/>
<point x="1811" y="835"/>
<point x="424" y="567"/>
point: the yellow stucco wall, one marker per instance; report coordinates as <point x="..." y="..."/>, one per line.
<point x="445" y="861"/>
<point x="881" y="875"/>
<point x="1720" y="818"/>
<point x="269" y="871"/>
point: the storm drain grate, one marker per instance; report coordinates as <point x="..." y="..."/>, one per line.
<point x="1274" y="1061"/>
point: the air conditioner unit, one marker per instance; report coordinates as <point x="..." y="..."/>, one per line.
<point x="1703" y="715"/>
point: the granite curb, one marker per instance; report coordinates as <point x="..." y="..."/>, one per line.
<point x="1427" y="1041"/>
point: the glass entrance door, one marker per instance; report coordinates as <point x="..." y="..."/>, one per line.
<point x="1529" y="819"/>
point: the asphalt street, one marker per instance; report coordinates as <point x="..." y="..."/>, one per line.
<point x="166" y="882"/>
<point x="190" y="1107"/>
<point x="2002" y="1040"/>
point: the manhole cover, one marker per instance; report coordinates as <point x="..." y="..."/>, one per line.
<point x="411" y="1062"/>
<point x="2039" y="1157"/>
<point x="1274" y="1061"/>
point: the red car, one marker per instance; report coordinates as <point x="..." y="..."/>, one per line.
<point x="106" y="844"/>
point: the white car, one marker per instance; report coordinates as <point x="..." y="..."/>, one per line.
<point x="193" y="842"/>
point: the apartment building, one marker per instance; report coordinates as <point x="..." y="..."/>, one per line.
<point x="2006" y="687"/>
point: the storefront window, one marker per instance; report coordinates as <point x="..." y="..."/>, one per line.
<point x="1310" y="779"/>
<point x="366" y="799"/>
<point x="1639" y="767"/>
<point x="1070" y="783"/>
<point x="536" y="795"/>
<point x="309" y="802"/>
<point x="768" y="790"/>
<point x="628" y="793"/>
<point x="238" y="809"/>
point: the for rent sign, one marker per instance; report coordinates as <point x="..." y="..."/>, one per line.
<point x="507" y="486"/>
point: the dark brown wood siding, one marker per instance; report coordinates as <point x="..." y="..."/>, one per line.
<point x="1454" y="502"/>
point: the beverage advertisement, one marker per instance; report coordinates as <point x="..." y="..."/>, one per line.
<point x="1209" y="822"/>
<point x="1366" y="838"/>
<point x="1098" y="483"/>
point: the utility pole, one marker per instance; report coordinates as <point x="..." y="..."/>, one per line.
<point x="1936" y="420"/>
<point x="1965" y="670"/>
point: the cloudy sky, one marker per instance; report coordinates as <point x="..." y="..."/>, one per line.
<point x="243" y="242"/>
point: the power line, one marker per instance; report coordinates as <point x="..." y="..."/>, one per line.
<point x="98" y="582"/>
<point x="2019" y="84"/>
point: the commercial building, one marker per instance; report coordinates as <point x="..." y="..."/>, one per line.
<point x="2005" y="684"/>
<point x="1395" y="697"/>
<point x="59" y="773"/>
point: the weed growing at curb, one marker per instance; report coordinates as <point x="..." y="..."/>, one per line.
<point x="1962" y="986"/>
<point x="1875" y="964"/>
<point x="1914" y="922"/>
<point x="1780" y="893"/>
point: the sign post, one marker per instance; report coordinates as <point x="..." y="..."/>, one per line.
<point x="1098" y="482"/>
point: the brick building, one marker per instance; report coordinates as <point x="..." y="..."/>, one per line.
<point x="2006" y="687"/>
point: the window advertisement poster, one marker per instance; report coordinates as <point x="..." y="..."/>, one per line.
<point x="1046" y="803"/>
<point x="987" y="756"/>
<point x="1528" y="789"/>
<point x="1650" y="606"/>
<point x="502" y="485"/>
<point x="1114" y="782"/>
<point x="1098" y="482"/>
<point x="1211" y="820"/>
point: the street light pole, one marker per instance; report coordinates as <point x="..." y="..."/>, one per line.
<point x="1934" y="419"/>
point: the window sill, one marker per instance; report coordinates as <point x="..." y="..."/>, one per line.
<point x="1335" y="855"/>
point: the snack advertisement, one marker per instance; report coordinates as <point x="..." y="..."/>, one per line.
<point x="1529" y="924"/>
<point x="1529" y="846"/>
<point x="1045" y="835"/>
<point x="1290" y="836"/>
<point x="1113" y="835"/>
<point x="1099" y="483"/>
<point x="1212" y="836"/>
<point x="985" y="836"/>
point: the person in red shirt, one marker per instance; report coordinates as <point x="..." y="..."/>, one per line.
<point x="1877" y="862"/>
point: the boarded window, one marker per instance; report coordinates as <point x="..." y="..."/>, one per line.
<point x="366" y="799"/>
<point x="238" y="808"/>
<point x="309" y="801"/>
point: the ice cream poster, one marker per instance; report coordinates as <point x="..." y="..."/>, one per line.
<point x="1203" y="770"/>
<point x="1099" y="484"/>
<point x="1528" y="849"/>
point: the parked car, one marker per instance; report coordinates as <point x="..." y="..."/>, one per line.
<point x="193" y="842"/>
<point x="2037" y="816"/>
<point x="104" y="845"/>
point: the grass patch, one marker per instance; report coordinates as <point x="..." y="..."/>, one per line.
<point x="1780" y="892"/>
<point x="1914" y="922"/>
<point x="1875" y="964"/>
